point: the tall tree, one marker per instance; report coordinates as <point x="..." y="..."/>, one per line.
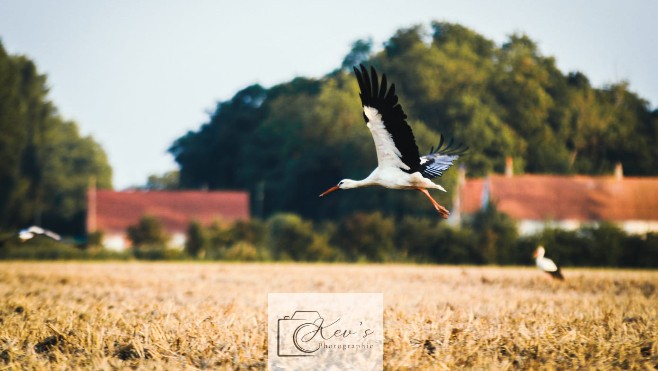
<point x="46" y="165"/>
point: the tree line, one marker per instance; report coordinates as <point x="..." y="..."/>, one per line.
<point x="289" y="142"/>
<point x="46" y="165"/>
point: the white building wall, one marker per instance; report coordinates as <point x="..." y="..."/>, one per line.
<point x="529" y="227"/>
<point x="639" y="226"/>
<point x="177" y="240"/>
<point x="115" y="241"/>
<point x="120" y="242"/>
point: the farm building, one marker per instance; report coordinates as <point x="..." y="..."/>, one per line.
<point x="567" y="202"/>
<point x="112" y="212"/>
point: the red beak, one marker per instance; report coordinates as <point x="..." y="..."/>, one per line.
<point x="334" y="188"/>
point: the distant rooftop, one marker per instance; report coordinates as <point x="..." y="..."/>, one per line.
<point x="113" y="211"/>
<point x="556" y="197"/>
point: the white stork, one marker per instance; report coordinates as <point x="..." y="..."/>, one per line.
<point x="546" y="264"/>
<point x="399" y="165"/>
<point x="33" y="231"/>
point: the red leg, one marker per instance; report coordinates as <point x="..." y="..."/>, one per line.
<point x="442" y="210"/>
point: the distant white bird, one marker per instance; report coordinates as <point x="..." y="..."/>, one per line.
<point x="546" y="264"/>
<point x="33" y="231"/>
<point x="399" y="165"/>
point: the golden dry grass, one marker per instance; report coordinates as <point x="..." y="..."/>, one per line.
<point x="188" y="316"/>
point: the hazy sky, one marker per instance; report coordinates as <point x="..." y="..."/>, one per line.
<point x="138" y="74"/>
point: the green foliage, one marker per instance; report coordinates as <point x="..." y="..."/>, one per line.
<point x="231" y="241"/>
<point x="166" y="181"/>
<point x="47" y="249"/>
<point x="497" y="236"/>
<point x="360" y="52"/>
<point x="241" y="251"/>
<point x="157" y="252"/>
<point x="147" y="232"/>
<point x="46" y="164"/>
<point x="605" y="245"/>
<point x="366" y="237"/>
<point x="489" y="238"/>
<point x="41" y="248"/>
<point x="425" y="240"/>
<point x="291" y="238"/>
<point x="95" y="239"/>
<point x="197" y="239"/>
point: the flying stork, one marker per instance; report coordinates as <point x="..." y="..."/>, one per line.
<point x="546" y="264"/>
<point x="33" y="231"/>
<point x="399" y="165"/>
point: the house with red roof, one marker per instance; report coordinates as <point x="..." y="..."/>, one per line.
<point x="112" y="212"/>
<point x="567" y="202"/>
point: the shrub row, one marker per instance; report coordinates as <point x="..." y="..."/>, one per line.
<point x="489" y="237"/>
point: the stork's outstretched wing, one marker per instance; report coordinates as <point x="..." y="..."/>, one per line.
<point x="440" y="159"/>
<point x="26" y="234"/>
<point x="394" y="140"/>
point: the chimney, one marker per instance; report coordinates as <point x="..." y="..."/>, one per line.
<point x="509" y="167"/>
<point x="619" y="171"/>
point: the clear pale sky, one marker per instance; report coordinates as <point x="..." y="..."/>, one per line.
<point x="136" y="75"/>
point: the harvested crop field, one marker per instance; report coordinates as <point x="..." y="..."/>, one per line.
<point x="214" y="315"/>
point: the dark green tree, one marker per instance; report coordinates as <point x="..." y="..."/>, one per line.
<point x="46" y="165"/>
<point x="366" y="237"/>
<point x="360" y="52"/>
<point x="496" y="236"/>
<point x="289" y="237"/>
<point x="197" y="239"/>
<point x="167" y="181"/>
<point x="149" y="231"/>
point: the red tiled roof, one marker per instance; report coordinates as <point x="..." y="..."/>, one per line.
<point x="554" y="197"/>
<point x="115" y="211"/>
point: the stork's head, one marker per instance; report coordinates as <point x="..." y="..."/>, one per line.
<point x="539" y="252"/>
<point x="343" y="184"/>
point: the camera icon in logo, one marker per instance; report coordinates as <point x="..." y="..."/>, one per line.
<point x="296" y="334"/>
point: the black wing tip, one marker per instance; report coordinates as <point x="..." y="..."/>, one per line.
<point x="448" y="149"/>
<point x="359" y="76"/>
<point x="357" y="73"/>
<point x="373" y="76"/>
<point x="376" y="94"/>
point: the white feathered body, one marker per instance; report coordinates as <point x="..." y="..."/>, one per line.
<point x="546" y="264"/>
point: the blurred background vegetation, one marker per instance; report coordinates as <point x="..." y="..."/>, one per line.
<point x="287" y="143"/>
<point x="489" y="238"/>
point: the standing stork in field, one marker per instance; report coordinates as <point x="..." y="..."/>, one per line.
<point x="546" y="264"/>
<point x="399" y="165"/>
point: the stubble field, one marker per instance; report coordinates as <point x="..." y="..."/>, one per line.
<point x="214" y="316"/>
